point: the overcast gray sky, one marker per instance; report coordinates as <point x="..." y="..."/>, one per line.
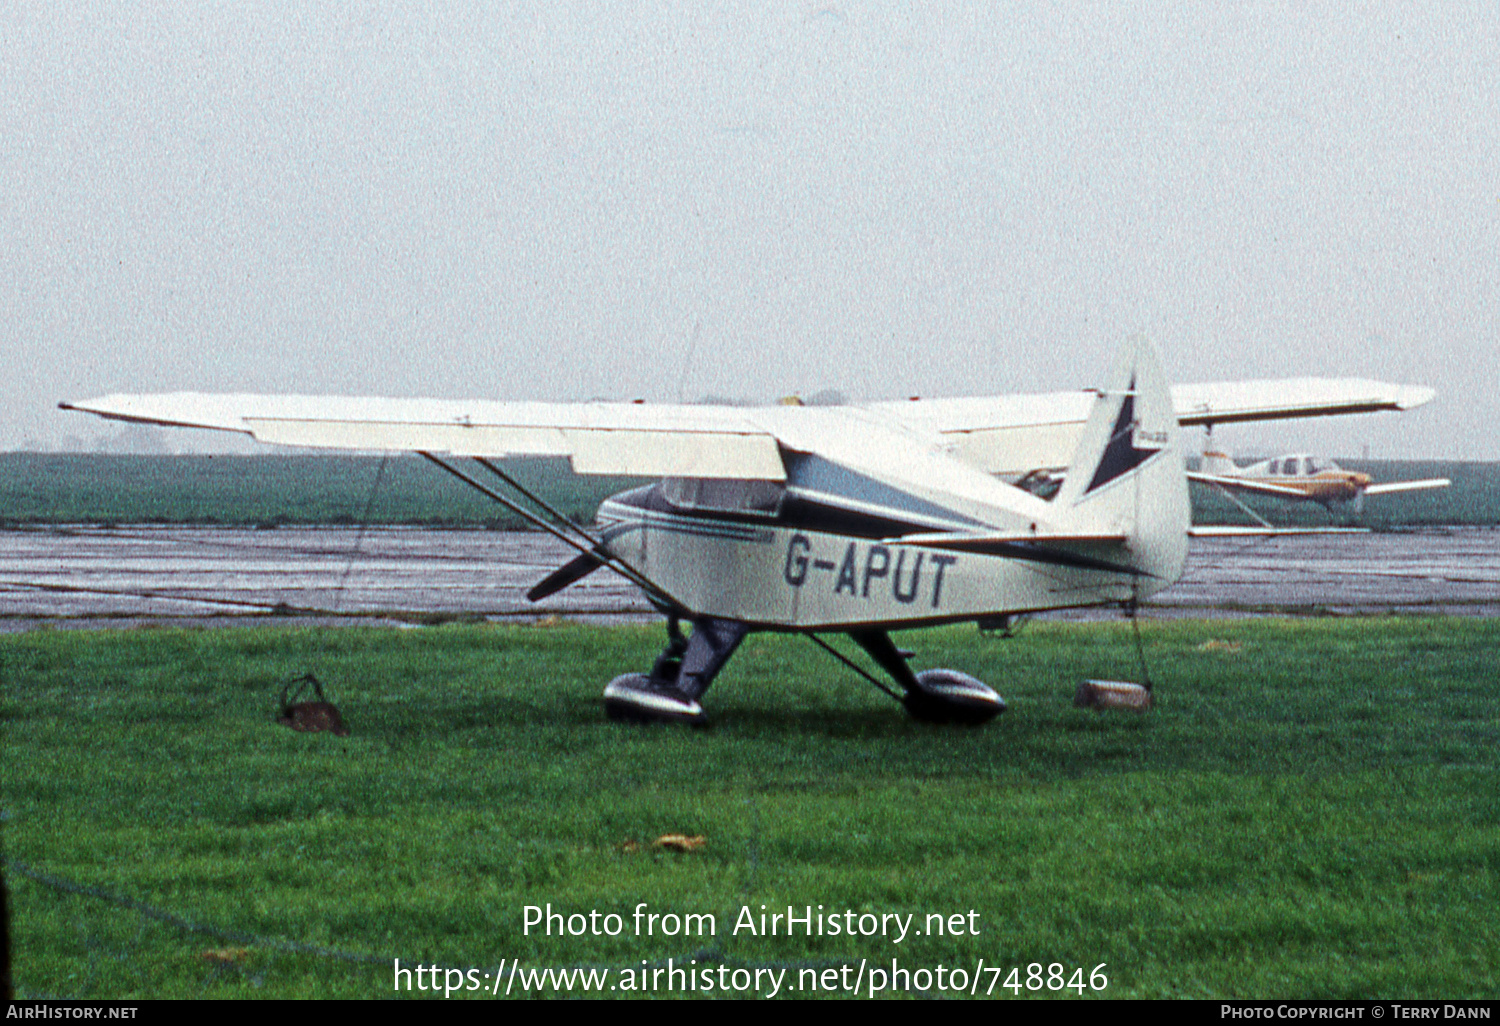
<point x="559" y="201"/>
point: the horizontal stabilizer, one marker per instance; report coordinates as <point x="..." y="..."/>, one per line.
<point x="1268" y="532"/>
<point x="962" y="540"/>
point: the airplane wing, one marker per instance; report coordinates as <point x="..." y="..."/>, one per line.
<point x="1008" y="434"/>
<point x="1246" y="485"/>
<point x="599" y="438"/>
<point x="1407" y="486"/>
<point x="1021" y="433"/>
<point x="1233" y="402"/>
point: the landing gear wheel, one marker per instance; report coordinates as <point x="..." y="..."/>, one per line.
<point x="947" y="696"/>
<point x="679" y="677"/>
<point x="636" y="698"/>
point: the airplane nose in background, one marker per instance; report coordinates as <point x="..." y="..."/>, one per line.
<point x="1362" y="480"/>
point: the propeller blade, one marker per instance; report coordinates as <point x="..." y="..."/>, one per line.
<point x="575" y="569"/>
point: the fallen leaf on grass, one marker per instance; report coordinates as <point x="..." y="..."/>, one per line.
<point x="680" y="842"/>
<point x="1215" y="645"/>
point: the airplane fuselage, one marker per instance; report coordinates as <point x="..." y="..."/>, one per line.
<point x="796" y="570"/>
<point x="1324" y="487"/>
<point x="1301" y="476"/>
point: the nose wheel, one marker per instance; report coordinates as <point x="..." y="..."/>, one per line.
<point x="638" y="698"/>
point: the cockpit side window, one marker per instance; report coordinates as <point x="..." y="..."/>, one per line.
<point x="724" y="495"/>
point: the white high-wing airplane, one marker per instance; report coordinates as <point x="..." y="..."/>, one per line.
<point x="1302" y="477"/>
<point x="852" y="519"/>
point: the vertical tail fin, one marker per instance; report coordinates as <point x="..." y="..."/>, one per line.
<point x="1219" y="463"/>
<point x="1127" y="473"/>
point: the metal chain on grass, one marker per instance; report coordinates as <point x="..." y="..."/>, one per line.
<point x="57" y="883"/>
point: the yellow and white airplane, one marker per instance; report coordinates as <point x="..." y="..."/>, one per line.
<point x="855" y="519"/>
<point x="1299" y="477"/>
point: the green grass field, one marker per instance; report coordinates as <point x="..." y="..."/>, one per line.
<point x="1311" y="810"/>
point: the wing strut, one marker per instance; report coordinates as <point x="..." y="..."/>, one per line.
<point x="852" y="665"/>
<point x="593" y="549"/>
<point x="556" y="514"/>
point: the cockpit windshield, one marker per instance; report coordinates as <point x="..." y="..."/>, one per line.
<point x="1302" y="465"/>
<point x="724" y="495"/>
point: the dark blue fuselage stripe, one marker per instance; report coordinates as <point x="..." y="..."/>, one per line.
<point x="815" y="474"/>
<point x="692" y="526"/>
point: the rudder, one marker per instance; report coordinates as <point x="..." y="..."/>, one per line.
<point x="1127" y="474"/>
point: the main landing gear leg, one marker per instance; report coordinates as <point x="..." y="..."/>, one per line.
<point x="932" y="696"/>
<point x="679" y="677"/>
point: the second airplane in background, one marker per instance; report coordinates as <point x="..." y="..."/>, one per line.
<point x="1302" y="477"/>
